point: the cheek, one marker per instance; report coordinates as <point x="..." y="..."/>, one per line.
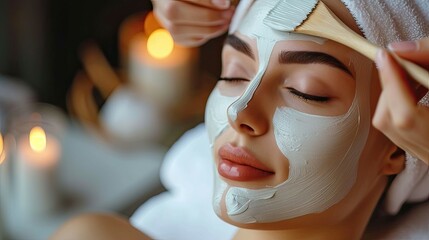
<point x="232" y="89"/>
<point x="311" y="141"/>
<point x="216" y="117"/>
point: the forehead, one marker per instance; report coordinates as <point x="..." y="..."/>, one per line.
<point x="344" y="54"/>
<point x="253" y="27"/>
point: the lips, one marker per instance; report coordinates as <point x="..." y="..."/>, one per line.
<point x="237" y="164"/>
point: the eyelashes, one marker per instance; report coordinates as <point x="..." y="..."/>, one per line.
<point x="296" y="93"/>
<point x="234" y="79"/>
<point x="307" y="97"/>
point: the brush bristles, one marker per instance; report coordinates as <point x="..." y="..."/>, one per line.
<point x="287" y="15"/>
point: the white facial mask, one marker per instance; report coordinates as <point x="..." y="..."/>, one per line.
<point x="323" y="152"/>
<point x="215" y="117"/>
<point x="266" y="38"/>
<point x="318" y="178"/>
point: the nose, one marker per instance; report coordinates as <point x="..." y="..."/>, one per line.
<point x="252" y="120"/>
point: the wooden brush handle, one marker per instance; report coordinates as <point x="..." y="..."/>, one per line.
<point x="370" y="50"/>
<point x="414" y="70"/>
<point x="323" y="23"/>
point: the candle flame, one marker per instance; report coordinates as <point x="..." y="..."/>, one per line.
<point x="160" y="44"/>
<point x="37" y="139"/>
<point x="1" y="143"/>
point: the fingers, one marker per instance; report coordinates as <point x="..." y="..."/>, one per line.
<point x="415" y="51"/>
<point x="193" y="22"/>
<point x="183" y="13"/>
<point x="398" y="115"/>
<point x="193" y="36"/>
<point x="400" y="98"/>
<point x="216" y="4"/>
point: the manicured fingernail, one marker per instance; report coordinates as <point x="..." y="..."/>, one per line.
<point x="406" y="46"/>
<point x="221" y="3"/>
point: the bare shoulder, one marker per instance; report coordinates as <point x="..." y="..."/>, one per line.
<point x="94" y="226"/>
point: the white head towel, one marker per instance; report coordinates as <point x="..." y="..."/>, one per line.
<point x="386" y="21"/>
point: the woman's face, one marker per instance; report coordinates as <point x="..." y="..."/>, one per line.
<point x="288" y="122"/>
<point x="306" y="77"/>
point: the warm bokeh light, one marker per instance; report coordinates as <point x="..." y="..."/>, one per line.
<point x="160" y="44"/>
<point x="1" y="143"/>
<point x="151" y="24"/>
<point x="37" y="139"/>
<point x="2" y="156"/>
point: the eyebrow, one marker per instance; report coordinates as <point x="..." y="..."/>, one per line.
<point x="308" y="57"/>
<point x="300" y="57"/>
<point x="239" y="45"/>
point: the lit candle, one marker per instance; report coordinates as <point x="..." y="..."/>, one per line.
<point x="4" y="174"/>
<point x="162" y="70"/>
<point x="4" y="170"/>
<point x="4" y="188"/>
<point x="37" y="155"/>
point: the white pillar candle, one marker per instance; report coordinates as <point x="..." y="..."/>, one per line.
<point x="4" y="182"/>
<point x="160" y="69"/>
<point x="6" y="208"/>
<point x="36" y="159"/>
<point x="3" y="169"/>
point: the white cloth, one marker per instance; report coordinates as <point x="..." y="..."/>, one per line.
<point x="185" y="211"/>
<point x="386" y="21"/>
<point x="412" y="184"/>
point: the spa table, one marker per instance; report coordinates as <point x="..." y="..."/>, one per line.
<point x="94" y="176"/>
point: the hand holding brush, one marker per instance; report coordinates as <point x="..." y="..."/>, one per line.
<point x="398" y="115"/>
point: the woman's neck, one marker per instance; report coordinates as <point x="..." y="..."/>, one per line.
<point x="331" y="233"/>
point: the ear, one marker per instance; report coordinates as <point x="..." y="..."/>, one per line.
<point x="395" y="163"/>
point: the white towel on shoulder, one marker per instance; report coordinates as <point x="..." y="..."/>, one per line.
<point x="185" y="211"/>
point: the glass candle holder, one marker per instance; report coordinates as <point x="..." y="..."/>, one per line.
<point x="4" y="180"/>
<point x="34" y="151"/>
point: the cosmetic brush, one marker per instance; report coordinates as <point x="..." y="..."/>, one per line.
<point x="313" y="17"/>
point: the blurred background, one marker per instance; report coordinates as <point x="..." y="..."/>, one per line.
<point x="77" y="79"/>
<point x="39" y="40"/>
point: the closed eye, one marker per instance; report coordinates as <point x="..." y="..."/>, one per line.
<point x="308" y="97"/>
<point x="234" y="79"/>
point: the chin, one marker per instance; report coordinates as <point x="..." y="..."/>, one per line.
<point x="336" y="215"/>
<point x="294" y="223"/>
